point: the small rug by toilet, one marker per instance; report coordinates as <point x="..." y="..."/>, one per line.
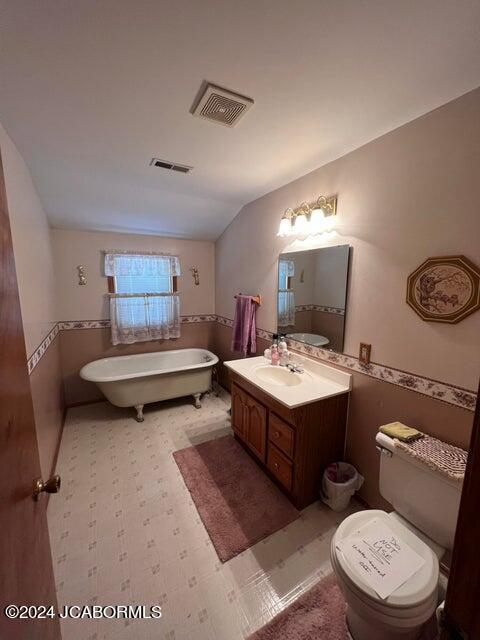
<point x="318" y="614"/>
<point x="237" y="503"/>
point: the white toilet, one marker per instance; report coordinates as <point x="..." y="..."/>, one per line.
<point x="425" y="514"/>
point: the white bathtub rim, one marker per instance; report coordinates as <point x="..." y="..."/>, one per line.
<point x="92" y="377"/>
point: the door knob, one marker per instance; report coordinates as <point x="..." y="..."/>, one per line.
<point x="52" y="485"/>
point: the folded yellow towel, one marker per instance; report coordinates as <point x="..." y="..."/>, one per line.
<point x="401" y="432"/>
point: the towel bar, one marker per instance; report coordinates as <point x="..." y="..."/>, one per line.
<point x="256" y="299"/>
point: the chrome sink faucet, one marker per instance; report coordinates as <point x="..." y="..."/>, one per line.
<point x="295" y="368"/>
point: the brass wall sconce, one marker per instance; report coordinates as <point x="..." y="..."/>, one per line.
<point x="82" y="278"/>
<point x="313" y="218"/>
<point x="195" y="275"/>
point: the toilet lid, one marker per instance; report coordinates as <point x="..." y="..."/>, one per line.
<point x="417" y="588"/>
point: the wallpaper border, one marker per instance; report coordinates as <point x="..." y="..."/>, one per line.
<point x="451" y="394"/>
<point x="69" y="325"/>
<point x="318" y="307"/>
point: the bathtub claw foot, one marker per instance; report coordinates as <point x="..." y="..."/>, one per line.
<point x="196" y="397"/>
<point x="139" y="409"/>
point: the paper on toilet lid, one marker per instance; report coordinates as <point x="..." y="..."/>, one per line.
<point x="380" y="557"/>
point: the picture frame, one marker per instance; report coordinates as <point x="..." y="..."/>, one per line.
<point x="444" y="289"/>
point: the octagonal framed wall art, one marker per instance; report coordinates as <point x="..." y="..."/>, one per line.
<point x="444" y="289"/>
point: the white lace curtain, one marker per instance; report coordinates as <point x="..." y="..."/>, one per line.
<point x="287" y="268"/>
<point x="286" y="297"/>
<point x="144" y="306"/>
<point x="286" y="308"/>
<point x="144" y="264"/>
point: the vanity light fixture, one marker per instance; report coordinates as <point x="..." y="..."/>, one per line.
<point x="309" y="219"/>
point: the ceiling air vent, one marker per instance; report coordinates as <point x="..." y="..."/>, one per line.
<point x="171" y="166"/>
<point x="221" y="105"/>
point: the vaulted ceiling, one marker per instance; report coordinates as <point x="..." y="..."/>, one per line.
<point x="91" y="90"/>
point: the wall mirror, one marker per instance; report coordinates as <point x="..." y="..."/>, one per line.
<point x="312" y="296"/>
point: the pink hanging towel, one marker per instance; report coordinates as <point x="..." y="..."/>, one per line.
<point x="244" y="332"/>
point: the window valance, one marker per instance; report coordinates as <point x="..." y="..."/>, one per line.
<point x="141" y="264"/>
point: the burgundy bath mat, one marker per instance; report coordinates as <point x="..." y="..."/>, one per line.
<point x="317" y="614"/>
<point x="237" y="503"/>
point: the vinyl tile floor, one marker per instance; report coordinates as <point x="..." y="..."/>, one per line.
<point x="125" y="531"/>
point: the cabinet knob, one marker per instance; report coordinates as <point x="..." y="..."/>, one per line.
<point x="277" y="434"/>
<point x="275" y="465"/>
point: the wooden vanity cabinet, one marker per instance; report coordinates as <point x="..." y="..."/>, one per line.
<point x="293" y="446"/>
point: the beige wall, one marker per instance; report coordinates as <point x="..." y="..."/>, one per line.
<point x="34" y="266"/>
<point x="89" y="302"/>
<point x="31" y="245"/>
<point x="330" y="277"/>
<point x="410" y="194"/>
<point x="46" y="385"/>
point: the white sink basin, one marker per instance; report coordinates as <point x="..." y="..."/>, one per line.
<point x="278" y="375"/>
<point x="318" y="381"/>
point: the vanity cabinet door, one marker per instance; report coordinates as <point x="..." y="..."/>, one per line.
<point x="256" y="428"/>
<point x="239" y="412"/>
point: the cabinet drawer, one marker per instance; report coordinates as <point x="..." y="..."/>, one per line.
<point x="280" y="466"/>
<point x="281" y="434"/>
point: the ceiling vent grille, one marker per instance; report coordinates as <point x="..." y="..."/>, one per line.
<point x="221" y="105"/>
<point x="171" y="166"/>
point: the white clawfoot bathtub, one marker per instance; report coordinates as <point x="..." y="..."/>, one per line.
<point x="133" y="381"/>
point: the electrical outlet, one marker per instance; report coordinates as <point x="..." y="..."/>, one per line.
<point x="364" y="353"/>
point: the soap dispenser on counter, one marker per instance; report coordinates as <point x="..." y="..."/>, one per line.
<point x="275" y="354"/>
<point x="283" y="351"/>
<point x="272" y="353"/>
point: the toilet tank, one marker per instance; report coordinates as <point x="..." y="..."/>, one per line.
<point x="426" y="498"/>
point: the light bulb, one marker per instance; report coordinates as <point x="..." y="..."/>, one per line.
<point x="285" y="228"/>
<point x="301" y="224"/>
<point x="317" y="221"/>
<point x="329" y="223"/>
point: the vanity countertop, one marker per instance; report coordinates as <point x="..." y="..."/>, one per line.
<point x="317" y="382"/>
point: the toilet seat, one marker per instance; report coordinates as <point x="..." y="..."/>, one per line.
<point x="416" y="596"/>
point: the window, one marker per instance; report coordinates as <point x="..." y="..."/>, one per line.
<point x="144" y="304"/>
<point x="286" y="269"/>
<point x="286" y="297"/>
